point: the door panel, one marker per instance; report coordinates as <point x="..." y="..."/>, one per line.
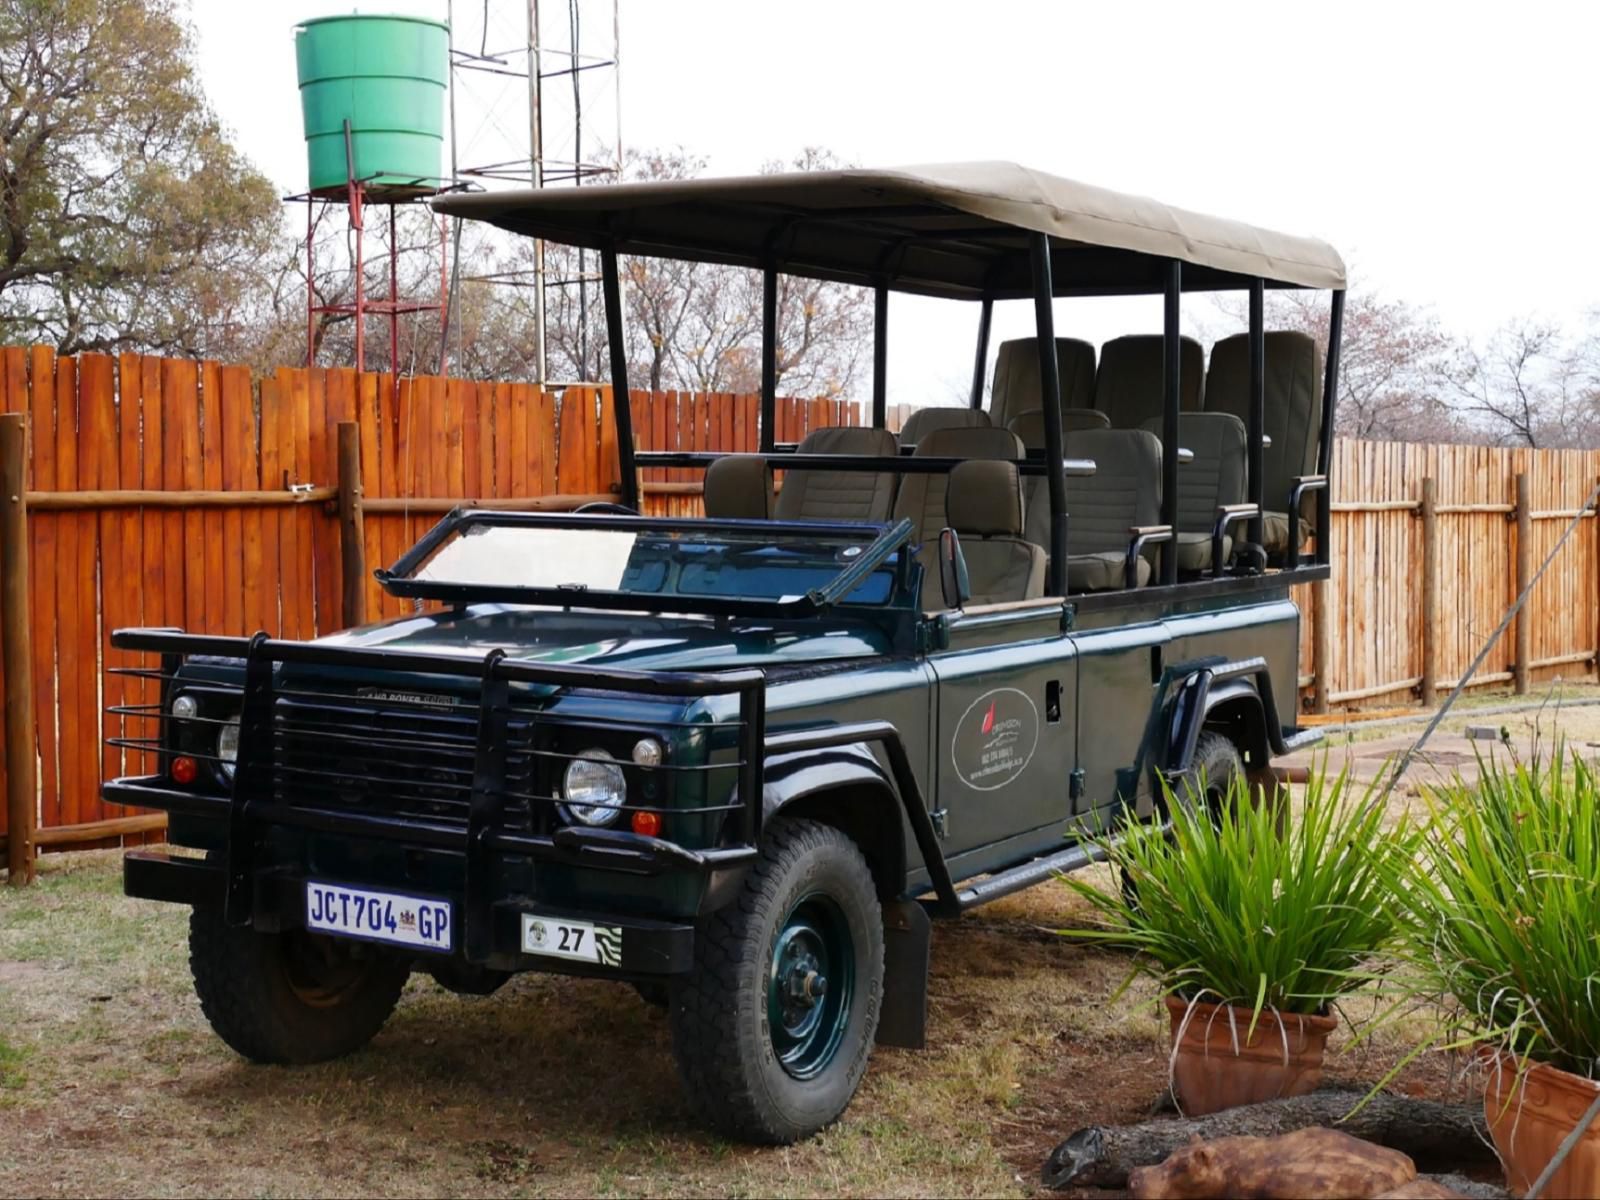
<point x="1005" y="741"/>
<point x="1118" y="667"/>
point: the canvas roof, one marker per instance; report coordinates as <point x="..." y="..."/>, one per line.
<point x="952" y="229"/>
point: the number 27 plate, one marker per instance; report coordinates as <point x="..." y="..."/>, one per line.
<point x="580" y="940"/>
<point x="422" y="922"/>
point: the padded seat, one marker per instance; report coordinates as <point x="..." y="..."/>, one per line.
<point x="1029" y="426"/>
<point x="921" y="499"/>
<point x="739" y="486"/>
<point x="1129" y="385"/>
<point x="926" y="420"/>
<point x="984" y="507"/>
<point x="1293" y="416"/>
<point x="1016" y="377"/>
<point x="1215" y="477"/>
<point x="1104" y="508"/>
<point x="839" y="495"/>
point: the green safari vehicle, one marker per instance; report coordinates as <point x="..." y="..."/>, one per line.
<point x="739" y="762"/>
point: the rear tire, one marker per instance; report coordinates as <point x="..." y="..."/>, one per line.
<point x="773" y="1028"/>
<point x="290" y="997"/>
<point x="1211" y="774"/>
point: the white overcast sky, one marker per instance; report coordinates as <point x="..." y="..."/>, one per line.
<point x="1448" y="151"/>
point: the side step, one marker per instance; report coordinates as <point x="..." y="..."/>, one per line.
<point x="1025" y="875"/>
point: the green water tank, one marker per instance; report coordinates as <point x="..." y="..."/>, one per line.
<point x="387" y="76"/>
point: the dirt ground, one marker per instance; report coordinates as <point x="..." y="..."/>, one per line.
<point x="111" y="1083"/>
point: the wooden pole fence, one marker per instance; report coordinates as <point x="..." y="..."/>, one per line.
<point x="145" y="498"/>
<point x="1430" y="592"/>
<point x="16" y="634"/>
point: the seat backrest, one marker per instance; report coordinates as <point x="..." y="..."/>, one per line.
<point x="925" y="420"/>
<point x="922" y="497"/>
<point x="839" y="495"/>
<point x="739" y="486"/>
<point x="984" y="507"/>
<point x="1128" y="387"/>
<point x="1029" y="426"/>
<point x="1124" y="491"/>
<point x="1293" y="415"/>
<point x="1216" y="475"/>
<point x="1016" y="377"/>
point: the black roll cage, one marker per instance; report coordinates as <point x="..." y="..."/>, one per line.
<point x="1053" y="464"/>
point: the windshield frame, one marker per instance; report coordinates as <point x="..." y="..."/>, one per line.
<point x="886" y="539"/>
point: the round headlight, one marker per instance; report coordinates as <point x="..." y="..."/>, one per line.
<point x="228" y="747"/>
<point x="185" y="706"/>
<point x="594" y="788"/>
<point x="647" y="752"/>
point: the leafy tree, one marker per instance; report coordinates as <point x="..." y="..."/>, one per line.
<point x="127" y="218"/>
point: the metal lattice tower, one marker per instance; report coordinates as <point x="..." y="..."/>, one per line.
<point x="566" y="55"/>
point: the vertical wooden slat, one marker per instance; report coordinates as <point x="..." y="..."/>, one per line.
<point x="69" y="616"/>
<point x="225" y="412"/>
<point x="273" y="419"/>
<point x="1524" y="625"/>
<point x="100" y="593"/>
<point x="1430" y="591"/>
<point x="216" y="550"/>
<point x="319" y="468"/>
<point x="369" y="423"/>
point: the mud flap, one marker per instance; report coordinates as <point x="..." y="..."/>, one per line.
<point x="907" y="940"/>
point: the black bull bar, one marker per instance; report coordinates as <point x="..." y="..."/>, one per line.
<point x="254" y="798"/>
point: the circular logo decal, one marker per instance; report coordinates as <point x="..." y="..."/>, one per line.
<point x="995" y="739"/>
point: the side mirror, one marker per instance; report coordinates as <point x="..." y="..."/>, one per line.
<point x="953" y="582"/>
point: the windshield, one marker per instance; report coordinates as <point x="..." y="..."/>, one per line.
<point x="764" y="562"/>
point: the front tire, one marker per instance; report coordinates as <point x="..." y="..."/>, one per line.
<point x="290" y="997"/>
<point x="773" y="1028"/>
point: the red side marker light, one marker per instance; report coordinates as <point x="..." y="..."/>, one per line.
<point x="647" y="824"/>
<point x="184" y="769"/>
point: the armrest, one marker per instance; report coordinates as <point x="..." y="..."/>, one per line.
<point x="1228" y="514"/>
<point x="1143" y="535"/>
<point x="1078" y="467"/>
<point x="1303" y="484"/>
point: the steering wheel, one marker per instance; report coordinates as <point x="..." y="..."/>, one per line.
<point x="607" y="506"/>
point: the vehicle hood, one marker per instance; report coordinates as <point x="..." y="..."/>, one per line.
<point x="637" y="641"/>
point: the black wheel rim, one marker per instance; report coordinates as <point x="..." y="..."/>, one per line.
<point x="810" y="984"/>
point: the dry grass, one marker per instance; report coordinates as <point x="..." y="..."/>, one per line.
<point x="111" y="1083"/>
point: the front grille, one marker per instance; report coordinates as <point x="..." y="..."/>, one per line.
<point x="390" y="758"/>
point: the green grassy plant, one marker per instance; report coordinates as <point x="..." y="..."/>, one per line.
<point x="1503" y="910"/>
<point x="1279" y="906"/>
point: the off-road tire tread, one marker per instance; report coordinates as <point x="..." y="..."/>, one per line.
<point x="251" y="1012"/>
<point x="706" y="1001"/>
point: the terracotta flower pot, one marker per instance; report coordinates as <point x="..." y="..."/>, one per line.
<point x="1528" y="1119"/>
<point x="1215" y="1066"/>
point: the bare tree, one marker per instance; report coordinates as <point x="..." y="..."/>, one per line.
<point x="1530" y="384"/>
<point x="1395" y="362"/>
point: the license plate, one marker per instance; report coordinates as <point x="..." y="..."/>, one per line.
<point x="422" y="922"/>
<point x="579" y="940"/>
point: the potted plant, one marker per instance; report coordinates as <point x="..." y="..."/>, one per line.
<point x="1253" y="918"/>
<point x="1503" y="908"/>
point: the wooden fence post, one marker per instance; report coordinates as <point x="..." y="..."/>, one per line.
<point x="21" y="786"/>
<point x="1524" y="642"/>
<point x="352" y="547"/>
<point x="1321" y="645"/>
<point x="1430" y="593"/>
